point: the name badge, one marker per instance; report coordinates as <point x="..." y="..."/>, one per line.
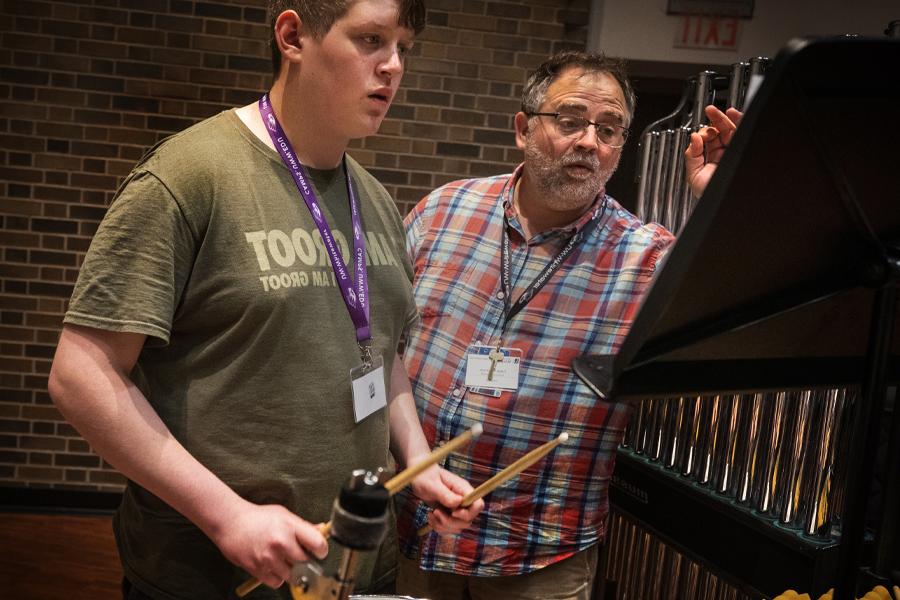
<point x="369" y="393"/>
<point x="492" y="368"/>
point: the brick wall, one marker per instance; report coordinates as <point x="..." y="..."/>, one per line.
<point x="86" y="87"/>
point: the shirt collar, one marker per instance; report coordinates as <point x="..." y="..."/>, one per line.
<point x="563" y="232"/>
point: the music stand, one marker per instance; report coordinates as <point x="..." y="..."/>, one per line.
<point x="786" y="274"/>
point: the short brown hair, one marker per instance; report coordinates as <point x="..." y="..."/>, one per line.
<point x="540" y="79"/>
<point x="320" y="15"/>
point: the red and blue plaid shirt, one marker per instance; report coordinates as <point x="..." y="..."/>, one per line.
<point x="558" y="506"/>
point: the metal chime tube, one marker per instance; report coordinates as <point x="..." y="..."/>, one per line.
<point x="637" y="427"/>
<point x="628" y="437"/>
<point x="658" y="414"/>
<point x="750" y="429"/>
<point x="611" y="548"/>
<point x="665" y="177"/>
<point x="728" y="457"/>
<point x="766" y="469"/>
<point x="675" y="214"/>
<point x="673" y="570"/>
<point x="818" y="465"/>
<point x="690" y="437"/>
<point x="658" y="170"/>
<point x="631" y="553"/>
<point x="657" y="568"/>
<point x="692" y="582"/>
<point x="687" y="197"/>
<point x="631" y="575"/>
<point x="709" y="410"/>
<point x="643" y="570"/>
<point x="672" y="432"/>
<point x="842" y="435"/>
<point x="785" y="467"/>
<point x="703" y="96"/>
<point x="644" y="175"/>
<point x="653" y="158"/>
<point x="645" y="433"/>
<point x="737" y="86"/>
<point x="796" y="450"/>
<point x="757" y="70"/>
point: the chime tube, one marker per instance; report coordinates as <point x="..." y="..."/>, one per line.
<point x="737" y="86"/>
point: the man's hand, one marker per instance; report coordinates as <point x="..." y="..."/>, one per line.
<point x="443" y="491"/>
<point x="438" y="487"/>
<point x="707" y="146"/>
<point x="267" y="540"/>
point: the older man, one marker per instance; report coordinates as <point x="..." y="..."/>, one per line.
<point x="514" y="276"/>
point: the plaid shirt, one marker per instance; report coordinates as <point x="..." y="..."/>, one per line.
<point x="558" y="506"/>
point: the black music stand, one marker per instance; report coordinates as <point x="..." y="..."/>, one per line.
<point x="786" y="274"/>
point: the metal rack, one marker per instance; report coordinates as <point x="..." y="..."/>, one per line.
<point x="760" y="358"/>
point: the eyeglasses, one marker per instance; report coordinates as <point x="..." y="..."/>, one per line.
<point x="572" y="126"/>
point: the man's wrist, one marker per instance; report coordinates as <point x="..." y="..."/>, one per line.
<point x="216" y="517"/>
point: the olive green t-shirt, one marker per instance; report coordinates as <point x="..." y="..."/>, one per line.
<point x="209" y="250"/>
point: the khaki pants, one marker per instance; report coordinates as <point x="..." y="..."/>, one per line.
<point x="569" y="579"/>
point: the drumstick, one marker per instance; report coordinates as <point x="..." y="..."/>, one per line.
<point x="506" y="474"/>
<point x="393" y="485"/>
<point x="402" y="479"/>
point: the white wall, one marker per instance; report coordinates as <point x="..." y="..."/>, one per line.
<point x="641" y="29"/>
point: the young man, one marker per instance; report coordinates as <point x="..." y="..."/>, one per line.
<point x="516" y="275"/>
<point x="222" y="344"/>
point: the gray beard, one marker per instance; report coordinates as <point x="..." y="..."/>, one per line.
<point x="560" y="191"/>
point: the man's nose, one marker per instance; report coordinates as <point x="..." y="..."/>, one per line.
<point x="393" y="64"/>
<point x="588" y="140"/>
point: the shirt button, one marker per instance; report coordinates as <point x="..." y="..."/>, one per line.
<point x="500" y="295"/>
<point x="457" y="393"/>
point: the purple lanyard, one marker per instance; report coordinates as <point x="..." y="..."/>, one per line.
<point x="355" y="293"/>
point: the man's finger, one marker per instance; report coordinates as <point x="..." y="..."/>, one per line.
<point x="456" y="483"/>
<point x="695" y="147"/>
<point x="295" y="553"/>
<point x="735" y="115"/>
<point x="274" y="580"/>
<point x="311" y="540"/>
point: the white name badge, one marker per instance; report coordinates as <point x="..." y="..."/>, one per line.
<point x="492" y="368"/>
<point x="369" y="394"/>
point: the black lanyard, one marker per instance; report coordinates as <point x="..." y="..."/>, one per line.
<point x="511" y="310"/>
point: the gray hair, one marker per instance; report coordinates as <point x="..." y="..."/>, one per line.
<point x="544" y="75"/>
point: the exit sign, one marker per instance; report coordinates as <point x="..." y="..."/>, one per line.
<point x="708" y="33"/>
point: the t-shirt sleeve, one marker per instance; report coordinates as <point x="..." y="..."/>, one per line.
<point x="137" y="265"/>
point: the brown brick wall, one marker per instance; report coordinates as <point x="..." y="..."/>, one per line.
<point x="86" y="88"/>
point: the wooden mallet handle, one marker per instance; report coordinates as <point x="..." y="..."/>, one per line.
<point x="506" y="474"/>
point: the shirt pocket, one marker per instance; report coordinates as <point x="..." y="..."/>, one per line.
<point x="448" y="289"/>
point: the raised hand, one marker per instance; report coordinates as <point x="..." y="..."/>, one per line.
<point x="707" y="146"/>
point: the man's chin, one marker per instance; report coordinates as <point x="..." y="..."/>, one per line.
<point x="367" y="126"/>
<point x="581" y="189"/>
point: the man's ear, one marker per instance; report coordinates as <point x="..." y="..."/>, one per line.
<point x="521" y="125"/>
<point x="289" y="35"/>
